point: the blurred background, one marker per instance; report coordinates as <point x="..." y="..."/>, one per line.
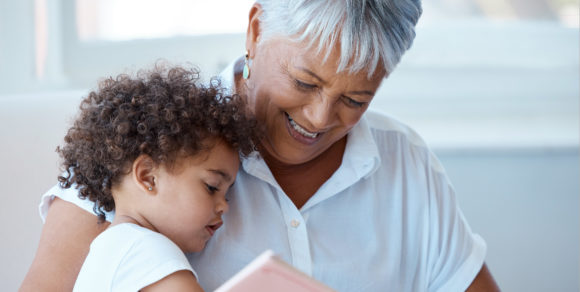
<point x="492" y="86"/>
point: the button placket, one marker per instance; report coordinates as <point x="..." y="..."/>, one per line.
<point x="297" y="235"/>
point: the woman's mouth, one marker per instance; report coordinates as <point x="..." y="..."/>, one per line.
<point x="300" y="129"/>
<point x="299" y="133"/>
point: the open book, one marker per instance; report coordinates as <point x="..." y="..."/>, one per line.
<point x="269" y="273"/>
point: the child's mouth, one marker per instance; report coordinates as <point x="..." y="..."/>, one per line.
<point x="213" y="227"/>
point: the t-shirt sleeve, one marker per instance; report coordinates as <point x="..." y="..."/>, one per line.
<point x="456" y="254"/>
<point x="70" y="195"/>
<point x="149" y="260"/>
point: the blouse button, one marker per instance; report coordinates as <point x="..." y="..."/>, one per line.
<point x="294" y="223"/>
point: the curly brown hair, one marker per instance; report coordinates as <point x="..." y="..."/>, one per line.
<point x="164" y="113"/>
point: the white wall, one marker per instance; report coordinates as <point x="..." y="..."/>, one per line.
<point x="525" y="205"/>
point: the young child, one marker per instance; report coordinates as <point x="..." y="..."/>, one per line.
<point x="160" y="150"/>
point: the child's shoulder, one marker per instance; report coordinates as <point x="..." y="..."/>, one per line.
<point x="139" y="246"/>
<point x="128" y="229"/>
<point x="129" y="236"/>
<point x="131" y="233"/>
<point x="134" y="256"/>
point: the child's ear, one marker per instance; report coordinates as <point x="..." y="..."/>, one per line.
<point x="145" y="170"/>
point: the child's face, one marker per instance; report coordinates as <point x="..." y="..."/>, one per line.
<point x="191" y="198"/>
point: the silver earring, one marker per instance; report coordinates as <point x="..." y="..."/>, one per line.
<point x="150" y="188"/>
<point x="246" y="72"/>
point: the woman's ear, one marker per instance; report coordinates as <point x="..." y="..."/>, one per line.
<point x="145" y="170"/>
<point x="253" y="33"/>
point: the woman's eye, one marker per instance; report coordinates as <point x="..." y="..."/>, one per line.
<point x="302" y="85"/>
<point x="353" y="103"/>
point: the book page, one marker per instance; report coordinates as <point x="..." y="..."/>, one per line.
<point x="269" y="273"/>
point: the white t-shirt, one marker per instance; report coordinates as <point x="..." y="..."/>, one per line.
<point x="387" y="219"/>
<point x="128" y="257"/>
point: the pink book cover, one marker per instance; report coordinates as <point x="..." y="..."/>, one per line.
<point x="269" y="273"/>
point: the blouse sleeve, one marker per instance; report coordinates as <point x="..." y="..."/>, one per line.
<point x="70" y="195"/>
<point x="456" y="254"/>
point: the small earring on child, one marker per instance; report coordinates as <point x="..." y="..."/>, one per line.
<point x="246" y="72"/>
<point x="150" y="188"/>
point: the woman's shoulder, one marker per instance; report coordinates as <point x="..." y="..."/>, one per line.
<point x="391" y="135"/>
<point x="383" y="124"/>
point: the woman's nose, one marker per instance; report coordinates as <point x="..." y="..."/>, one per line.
<point x="320" y="113"/>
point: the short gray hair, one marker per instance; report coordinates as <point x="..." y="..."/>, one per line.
<point x="369" y="31"/>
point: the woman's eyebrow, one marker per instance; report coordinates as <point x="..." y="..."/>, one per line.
<point x="361" y="92"/>
<point x="355" y="92"/>
<point x="307" y="71"/>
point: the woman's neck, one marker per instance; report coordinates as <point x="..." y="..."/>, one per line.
<point x="301" y="181"/>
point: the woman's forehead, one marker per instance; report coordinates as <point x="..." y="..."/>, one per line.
<point x="304" y="54"/>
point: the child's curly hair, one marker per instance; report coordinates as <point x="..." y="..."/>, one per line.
<point x="163" y="113"/>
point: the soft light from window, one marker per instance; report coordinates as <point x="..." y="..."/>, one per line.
<point x="41" y="37"/>
<point x="117" y="20"/>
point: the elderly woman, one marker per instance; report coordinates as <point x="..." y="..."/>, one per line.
<point x="354" y="199"/>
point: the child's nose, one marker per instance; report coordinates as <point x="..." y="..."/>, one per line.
<point x="222" y="206"/>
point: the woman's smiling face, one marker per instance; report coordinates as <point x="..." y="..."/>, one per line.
<point x="304" y="104"/>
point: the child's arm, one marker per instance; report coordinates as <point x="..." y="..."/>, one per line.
<point x="179" y="281"/>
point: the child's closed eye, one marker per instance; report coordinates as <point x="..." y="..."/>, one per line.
<point x="211" y="189"/>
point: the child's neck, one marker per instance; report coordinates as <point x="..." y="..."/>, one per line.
<point x="122" y="216"/>
<point x="128" y="207"/>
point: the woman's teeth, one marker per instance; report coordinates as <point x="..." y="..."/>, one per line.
<point x="301" y="130"/>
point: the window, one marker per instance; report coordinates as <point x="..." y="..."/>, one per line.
<point x="122" y="20"/>
<point x="111" y="36"/>
<point x="561" y="11"/>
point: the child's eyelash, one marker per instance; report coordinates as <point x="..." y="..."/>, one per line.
<point x="211" y="188"/>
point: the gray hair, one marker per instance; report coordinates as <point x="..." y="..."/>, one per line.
<point x="369" y="31"/>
